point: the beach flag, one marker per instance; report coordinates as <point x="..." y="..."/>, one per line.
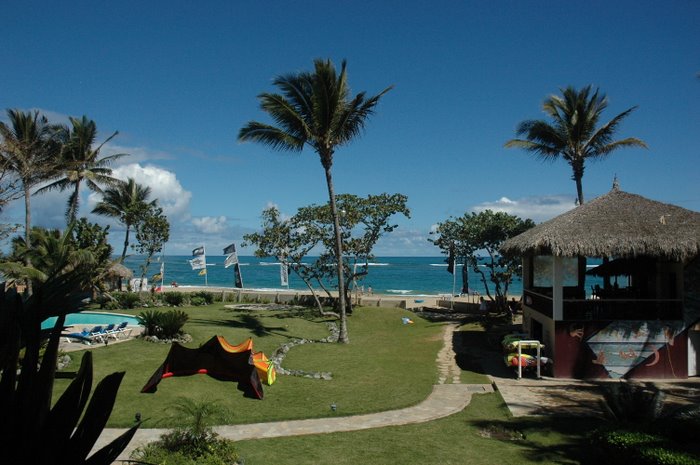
<point x="199" y="259"/>
<point x="158" y="276"/>
<point x="231" y="256"/>
<point x="203" y="272"/>
<point x="284" y="274"/>
<point x="451" y="261"/>
<point x="232" y="259"/>
<point x="239" y="277"/>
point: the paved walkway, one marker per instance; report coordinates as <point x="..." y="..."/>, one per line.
<point x="449" y="396"/>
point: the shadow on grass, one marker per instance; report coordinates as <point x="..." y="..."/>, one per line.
<point x="250" y="323"/>
<point x="570" y="441"/>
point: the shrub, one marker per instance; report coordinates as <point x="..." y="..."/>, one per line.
<point x="111" y="305"/>
<point x="641" y="448"/>
<point x="207" y="297"/>
<point x="163" y="324"/>
<point x="171" y="323"/>
<point x="150" y="320"/>
<point x="194" y="442"/>
<point x="197" y="301"/>
<point x="127" y="299"/>
<point x="174" y="298"/>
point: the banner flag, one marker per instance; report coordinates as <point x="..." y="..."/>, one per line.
<point x="199" y="260"/>
<point x="239" y="278"/>
<point x="284" y="274"/>
<point x="231" y="256"/>
<point x="451" y="261"/>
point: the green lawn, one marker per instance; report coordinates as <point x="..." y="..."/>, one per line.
<point x="387" y="365"/>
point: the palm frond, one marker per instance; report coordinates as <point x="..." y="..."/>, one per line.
<point x="271" y="136"/>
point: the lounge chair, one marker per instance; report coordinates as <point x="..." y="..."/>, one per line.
<point x="98" y="334"/>
<point x="83" y="336"/>
<point x="122" y="329"/>
<point x="111" y="331"/>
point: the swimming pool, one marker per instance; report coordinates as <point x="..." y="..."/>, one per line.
<point x="91" y="319"/>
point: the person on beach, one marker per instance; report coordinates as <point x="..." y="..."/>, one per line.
<point x="483" y="307"/>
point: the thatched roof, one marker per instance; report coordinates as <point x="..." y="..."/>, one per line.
<point x="120" y="271"/>
<point x="617" y="224"/>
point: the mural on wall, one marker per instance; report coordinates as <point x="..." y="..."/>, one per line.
<point x="623" y="345"/>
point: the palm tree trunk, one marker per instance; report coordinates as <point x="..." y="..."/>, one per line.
<point x="579" y="190"/>
<point x="27" y="219"/>
<point x="343" y="336"/>
<point x="28" y="232"/>
<point x="73" y="206"/>
<point x="126" y="243"/>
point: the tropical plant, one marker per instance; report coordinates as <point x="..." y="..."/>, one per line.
<point x="475" y="233"/>
<point x="644" y="427"/>
<point x="174" y="298"/>
<point x="127" y="203"/>
<point x="162" y="324"/>
<point x="80" y="162"/>
<point x="363" y="221"/>
<point x="29" y="151"/>
<point x="207" y="297"/>
<point x="573" y="134"/>
<point x="152" y="232"/>
<point x="68" y="429"/>
<point x="315" y="109"/>
<point x="195" y="440"/>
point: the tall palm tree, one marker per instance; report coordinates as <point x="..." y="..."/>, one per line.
<point x="80" y="162"/>
<point x="126" y="202"/>
<point x="30" y="147"/>
<point x="315" y="109"/>
<point x="573" y="134"/>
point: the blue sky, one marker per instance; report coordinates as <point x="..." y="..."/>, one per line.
<point x="178" y="80"/>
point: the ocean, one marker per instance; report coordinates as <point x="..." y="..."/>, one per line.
<point x="410" y="276"/>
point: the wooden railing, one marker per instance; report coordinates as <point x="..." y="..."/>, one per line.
<point x="608" y="309"/>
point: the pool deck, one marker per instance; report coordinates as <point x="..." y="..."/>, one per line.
<point x="67" y="345"/>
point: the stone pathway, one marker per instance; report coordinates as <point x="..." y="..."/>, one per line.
<point x="449" y="396"/>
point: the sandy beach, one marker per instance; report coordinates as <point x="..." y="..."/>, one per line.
<point x="373" y="300"/>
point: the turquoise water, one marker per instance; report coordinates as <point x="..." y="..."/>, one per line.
<point x="91" y="319"/>
<point x="411" y="276"/>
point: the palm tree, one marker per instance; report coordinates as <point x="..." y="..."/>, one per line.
<point x="126" y="202"/>
<point x="80" y="162"/>
<point x="315" y="109"/>
<point x="573" y="133"/>
<point x="29" y="149"/>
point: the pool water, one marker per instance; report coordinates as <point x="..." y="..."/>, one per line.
<point x="91" y="319"/>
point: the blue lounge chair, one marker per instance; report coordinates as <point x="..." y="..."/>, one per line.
<point x="110" y="331"/>
<point x="98" y="334"/>
<point x="122" y="329"/>
<point x="83" y="336"/>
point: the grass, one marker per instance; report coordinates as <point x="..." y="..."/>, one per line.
<point x="386" y="366"/>
<point x="457" y="439"/>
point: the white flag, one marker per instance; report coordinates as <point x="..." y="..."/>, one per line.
<point x="231" y="256"/>
<point x="199" y="260"/>
<point x="284" y="274"/>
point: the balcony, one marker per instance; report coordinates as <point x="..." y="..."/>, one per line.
<point x="608" y="309"/>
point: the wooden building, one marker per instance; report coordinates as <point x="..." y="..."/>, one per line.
<point x="643" y="321"/>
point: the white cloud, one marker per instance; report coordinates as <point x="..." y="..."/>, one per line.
<point x="210" y="224"/>
<point x="536" y="208"/>
<point x="165" y="187"/>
